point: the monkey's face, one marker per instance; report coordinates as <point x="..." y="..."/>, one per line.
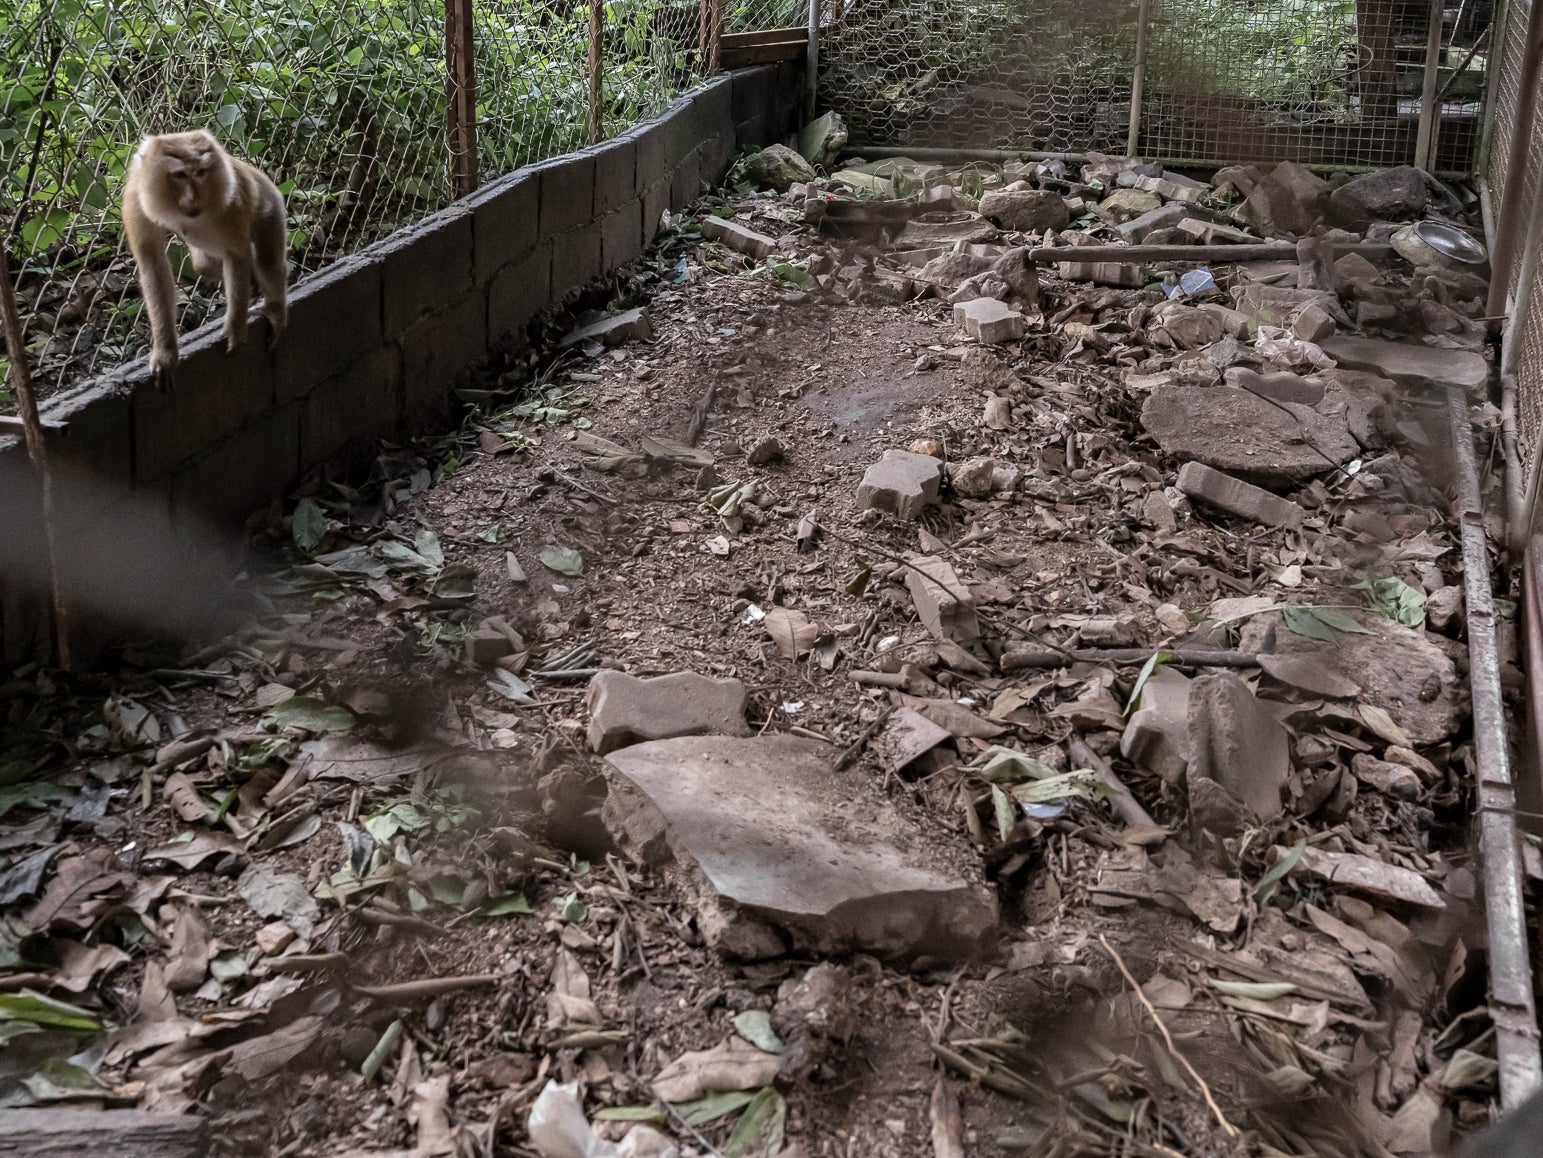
<point x="192" y="172"/>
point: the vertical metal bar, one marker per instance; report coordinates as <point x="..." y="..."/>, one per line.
<point x="1512" y="211"/>
<point x="1511" y="1006"/>
<point x="461" y="96"/>
<point x="1428" y="102"/>
<point x="1497" y="40"/>
<point x="1138" y="77"/>
<point x="32" y="436"/>
<point x="812" y="62"/>
<point x="596" y="75"/>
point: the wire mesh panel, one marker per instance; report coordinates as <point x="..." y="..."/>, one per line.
<point x="1507" y="85"/>
<point x="340" y="101"/>
<point x="1024" y="74"/>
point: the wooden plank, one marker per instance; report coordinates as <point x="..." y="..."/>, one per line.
<point x="120" y="1133"/>
<point x="762" y="53"/>
<point x="766" y="36"/>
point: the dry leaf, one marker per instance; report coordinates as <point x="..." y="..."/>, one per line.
<point x="184" y="799"/>
<point x="791" y="631"/>
<point x="733" y="1065"/>
<point x="191" y="947"/>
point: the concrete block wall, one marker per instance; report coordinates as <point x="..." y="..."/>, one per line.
<point x="374" y="345"/>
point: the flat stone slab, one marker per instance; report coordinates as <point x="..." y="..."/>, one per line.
<point x="781" y="853"/>
<point x="1239" y="755"/>
<point x="626" y="709"/>
<point x="1270" y="444"/>
<point x="1256" y="504"/>
<point x="1416" y="367"/>
<point x="627" y="326"/>
<point x="902" y="483"/>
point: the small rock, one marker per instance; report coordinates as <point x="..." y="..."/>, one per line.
<point x="1136" y="229"/>
<point x="902" y="483"/>
<point x="1128" y="204"/>
<point x="1312" y="323"/>
<point x="738" y="237"/>
<point x="1239" y="746"/>
<point x="1157" y="735"/>
<point x="1155" y="510"/>
<point x="777" y="167"/>
<point x="1352" y="268"/>
<point x="1189" y="327"/>
<point x="1171" y="618"/>
<point x="1444" y="609"/>
<point x="1199" y="481"/>
<point x="952" y="270"/>
<point x="1396" y="194"/>
<point x="943" y="603"/>
<point x="1392" y="779"/>
<point x="1020" y="275"/>
<point x="822" y="139"/>
<point x="931" y="447"/>
<point x="616" y="330"/>
<point x="972" y="477"/>
<point x="766" y="450"/>
<point x="989" y="321"/>
<point x="274" y="938"/>
<point x="998" y="414"/>
<point x="1026" y="211"/>
<point x="627" y="710"/>
<point x="1109" y="631"/>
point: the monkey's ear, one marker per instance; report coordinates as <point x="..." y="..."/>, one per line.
<point x="147" y="146"/>
<point x="209" y="136"/>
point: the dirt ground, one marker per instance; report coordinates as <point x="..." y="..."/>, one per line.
<point x="342" y="891"/>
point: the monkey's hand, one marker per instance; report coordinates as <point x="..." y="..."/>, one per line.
<point x="163" y="368"/>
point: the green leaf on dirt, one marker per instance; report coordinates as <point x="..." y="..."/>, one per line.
<point x="1151" y="665"/>
<point x="1395" y="599"/>
<point x="759" y="1131"/>
<point x="39" y="1010"/>
<point x="628" y="1114"/>
<point x="1008" y="765"/>
<point x="563" y="560"/>
<point x="57" y="1080"/>
<point x="447" y="889"/>
<point x="32" y="795"/>
<point x="571" y="909"/>
<point x="312" y="715"/>
<point x="1321" y="623"/>
<point x="505" y="905"/>
<point x="492" y="534"/>
<point x="1270" y="882"/>
<point x="711" y="1107"/>
<point x="400" y="817"/>
<point x="754" y="1025"/>
<point x="1083" y="782"/>
<point x="1005" y="814"/>
<point x="308" y="527"/>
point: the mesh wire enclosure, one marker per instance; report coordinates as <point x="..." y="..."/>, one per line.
<point x="1332" y="82"/>
<point x="340" y="101"/>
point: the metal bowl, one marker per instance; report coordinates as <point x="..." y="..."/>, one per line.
<point x="1435" y="243"/>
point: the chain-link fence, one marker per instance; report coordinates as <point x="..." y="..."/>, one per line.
<point x="1330" y="82"/>
<point x="343" y="102"/>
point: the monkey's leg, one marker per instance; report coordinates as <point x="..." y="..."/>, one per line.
<point x="269" y="248"/>
<point x="238" y="300"/>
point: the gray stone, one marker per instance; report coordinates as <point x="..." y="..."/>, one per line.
<point x="1155" y="510"/>
<point x="627" y="326"/>
<point x="1025" y="210"/>
<point x="739" y="237"/>
<point x="625" y="710"/>
<point x="1255" y="504"/>
<point x="1190" y="328"/>
<point x="1173" y="187"/>
<point x="1214" y="233"/>
<point x="1233" y="321"/>
<point x="1128" y="204"/>
<point x="1237" y="746"/>
<point x="945" y="229"/>
<point x="972" y="477"/>
<point x="1392" y="779"/>
<point x="1397" y="194"/>
<point x="1316" y="673"/>
<point x="1352" y="268"/>
<point x="1234" y="431"/>
<point x="943" y="602"/>
<point x="1312" y="323"/>
<point x="1136" y="229"/>
<point x="989" y="321"/>
<point x="768" y="449"/>
<point x="1020" y="275"/>
<point x="952" y="269"/>
<point x="1444" y="609"/>
<point x="780" y="852"/>
<point x="1290" y="199"/>
<point x="1417" y="367"/>
<point x="1157" y="735"/>
<point x="777" y="167"/>
<point x="901" y="483"/>
<point x="1274" y="305"/>
<point x="822" y="139"/>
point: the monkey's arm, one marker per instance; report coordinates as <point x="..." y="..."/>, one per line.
<point x="147" y="242"/>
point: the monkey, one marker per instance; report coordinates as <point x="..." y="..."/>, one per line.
<point x="231" y="217"/>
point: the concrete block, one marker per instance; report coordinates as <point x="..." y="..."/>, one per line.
<point x="686" y="183"/>
<point x="1256" y="504"/>
<point x="717" y="153"/>
<point x="505" y="222"/>
<point x="943" y="603"/>
<point x="519" y="292"/>
<point x="235" y="476"/>
<point x="682" y="131"/>
<point x="425" y="266"/>
<point x="989" y="321"/>
<point x="754" y="131"/>
<point x="575" y="259"/>
<point x="714" y="103"/>
<point x="751" y="93"/>
<point x="739" y="237"/>
<point x="334" y="320"/>
<point x="343" y="419"/>
<point x="98" y="437"/>
<point x="901" y="483"/>
<point x="626" y="710"/>
<point x="621" y="235"/>
<point x="651" y="162"/>
<point x="615" y="173"/>
<point x="656" y="199"/>
<point x="567" y="193"/>
<point x="215" y="395"/>
<point x="435" y="352"/>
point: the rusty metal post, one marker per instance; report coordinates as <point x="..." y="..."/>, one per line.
<point x="1430" y="103"/>
<point x="32" y="436"/>
<point x="714" y="37"/>
<point x="812" y="62"/>
<point x="461" y="96"/>
<point x="1138" y="77"/>
<point x="596" y="74"/>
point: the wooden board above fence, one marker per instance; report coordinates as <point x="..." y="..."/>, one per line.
<point x="739" y="49"/>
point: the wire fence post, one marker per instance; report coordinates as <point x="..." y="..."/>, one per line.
<point x="32" y="436"/>
<point x="596" y="74"/>
<point x="1138" y="77"/>
<point x="812" y="62"/>
<point x="714" y="36"/>
<point x="461" y="96"/>
<point x="1430" y="103"/>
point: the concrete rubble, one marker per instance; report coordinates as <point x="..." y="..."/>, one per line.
<point x="902" y="483"/>
<point x="624" y="709"/>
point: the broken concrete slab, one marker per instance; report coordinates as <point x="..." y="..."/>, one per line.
<point x="1396" y="194"/>
<point x="625" y="709"/>
<point x="738" y="237"/>
<point x="1026" y="210"/>
<point x="1128" y="204"/>
<point x="1416" y="367"/>
<point x="1157" y="735"/>
<point x="1163" y="217"/>
<point x="1316" y="673"/>
<point x="943" y="602"/>
<point x="902" y="483"/>
<point x="989" y="321"/>
<point x="615" y="330"/>
<point x="973" y="477"/>
<point x="822" y="139"/>
<point x="1266" y="443"/>
<point x="945" y="229"/>
<point x="780" y="853"/>
<point x="1236" y="745"/>
<point x="1215" y="233"/>
<point x="1237" y="497"/>
<point x="1290" y="199"/>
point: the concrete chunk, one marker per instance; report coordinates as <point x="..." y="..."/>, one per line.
<point x="989" y="321"/>
<point x="943" y="603"/>
<point x="901" y="483"/>
<point x="625" y="709"/>
<point x="1025" y="210"/>
<point x="1157" y="736"/>
<point x="781" y="853"/>
<point x="1164" y="217"/>
<point x="1417" y="367"/>
<point x="1238" y="747"/>
<point x="737" y="236"/>
<point x="1253" y="503"/>
<point x="616" y="330"/>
